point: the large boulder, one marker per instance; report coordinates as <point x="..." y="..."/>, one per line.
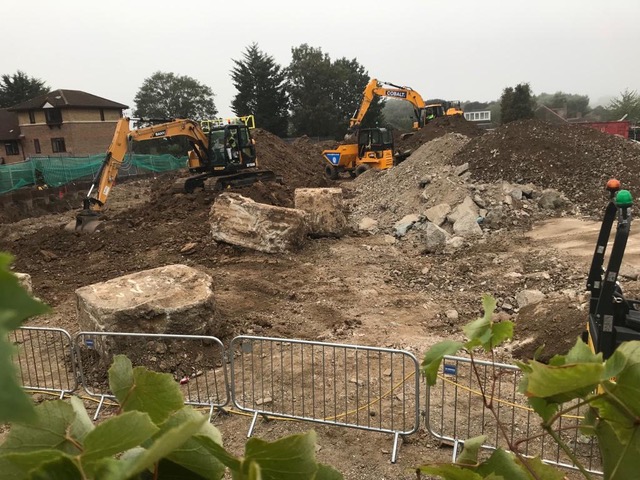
<point x="324" y="208"/>
<point x="240" y="221"/>
<point x="438" y="214"/>
<point x="467" y="226"/>
<point x="432" y="237"/>
<point x="172" y="299"/>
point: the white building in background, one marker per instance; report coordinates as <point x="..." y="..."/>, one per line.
<point x="483" y="116"/>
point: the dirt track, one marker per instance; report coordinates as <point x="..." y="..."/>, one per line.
<point x="360" y="289"/>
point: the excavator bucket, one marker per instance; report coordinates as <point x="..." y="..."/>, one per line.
<point x="85" y="223"/>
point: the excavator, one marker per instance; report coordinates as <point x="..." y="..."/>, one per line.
<point x="373" y="147"/>
<point x="221" y="156"/>
<point x="613" y="318"/>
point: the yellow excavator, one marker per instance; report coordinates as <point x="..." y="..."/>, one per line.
<point x="373" y="147"/>
<point x="221" y="156"/>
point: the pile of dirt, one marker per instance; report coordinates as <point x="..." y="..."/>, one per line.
<point x="437" y="128"/>
<point x="574" y="159"/>
<point x="297" y="163"/>
<point x="389" y="195"/>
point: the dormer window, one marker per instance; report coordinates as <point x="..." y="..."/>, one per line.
<point x="53" y="116"/>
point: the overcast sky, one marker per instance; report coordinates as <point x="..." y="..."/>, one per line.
<point x="452" y="49"/>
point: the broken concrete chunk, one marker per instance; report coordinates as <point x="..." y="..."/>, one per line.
<point x="368" y="224"/>
<point x="24" y="279"/>
<point x="432" y="237"/>
<point x="324" y="208"/>
<point x="240" y="221"/>
<point x="438" y="214"/>
<point x="171" y="299"/>
<point x="527" y="297"/>
<point x="467" y="226"/>
<point x="467" y="207"/>
<point x="402" y="226"/>
<point x="461" y="169"/>
<point x="552" y="200"/>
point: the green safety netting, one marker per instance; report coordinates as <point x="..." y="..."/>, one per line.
<point x="57" y="171"/>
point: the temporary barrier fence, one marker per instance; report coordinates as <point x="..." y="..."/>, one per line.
<point x="367" y="388"/>
<point x="44" y="359"/>
<point x="455" y="411"/>
<point x="197" y="362"/>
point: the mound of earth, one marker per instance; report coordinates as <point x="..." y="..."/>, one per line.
<point x="574" y="159"/>
<point x="437" y="128"/>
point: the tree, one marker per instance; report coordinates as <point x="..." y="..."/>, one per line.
<point x="517" y="103"/>
<point x="324" y="94"/>
<point x="20" y="87"/>
<point x="628" y="103"/>
<point x="575" y="105"/>
<point x="262" y="90"/>
<point x="166" y="95"/>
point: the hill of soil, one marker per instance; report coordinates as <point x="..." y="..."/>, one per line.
<point x="437" y="128"/>
<point x="574" y="159"/>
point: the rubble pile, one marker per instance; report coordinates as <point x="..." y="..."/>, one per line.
<point x="573" y="159"/>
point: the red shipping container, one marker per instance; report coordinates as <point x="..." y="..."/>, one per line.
<point x="614" y="128"/>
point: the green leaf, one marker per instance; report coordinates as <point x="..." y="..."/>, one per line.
<point x="579" y="353"/>
<point x="433" y="358"/>
<point x="503" y="464"/>
<point x="543" y="470"/>
<point x="545" y="409"/>
<point x="563" y="383"/>
<point x="15" y="405"/>
<point x="325" y="472"/>
<point x="618" y="462"/>
<point x="483" y="332"/>
<point x="116" y="435"/>
<point x="18" y="465"/>
<point x="53" y="420"/>
<point x="161" y="447"/>
<point x="140" y="389"/>
<point x="215" y="449"/>
<point x="469" y="455"/>
<point x="62" y="468"/>
<point x="450" y="472"/>
<point x="193" y="454"/>
<point x="291" y="457"/>
<point x="16" y="305"/>
<point x="254" y="471"/>
<point x="82" y="423"/>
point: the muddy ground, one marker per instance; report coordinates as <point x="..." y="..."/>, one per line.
<point x="363" y="288"/>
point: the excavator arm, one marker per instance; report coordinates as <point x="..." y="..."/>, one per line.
<point x="376" y="88"/>
<point x="93" y="204"/>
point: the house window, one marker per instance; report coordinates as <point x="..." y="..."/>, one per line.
<point x="12" y="148"/>
<point x="32" y="116"/>
<point x="102" y="114"/>
<point x="36" y="145"/>
<point x="57" y="145"/>
<point x="53" y="115"/>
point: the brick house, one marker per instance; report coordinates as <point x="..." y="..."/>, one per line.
<point x="66" y="123"/>
<point x="10" y="147"/>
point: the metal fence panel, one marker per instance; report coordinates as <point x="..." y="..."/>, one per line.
<point x="347" y="385"/>
<point x="455" y="411"/>
<point x="44" y="359"/>
<point x="198" y="363"/>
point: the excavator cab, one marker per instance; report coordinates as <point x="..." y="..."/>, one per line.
<point x="374" y="149"/>
<point x="231" y="149"/>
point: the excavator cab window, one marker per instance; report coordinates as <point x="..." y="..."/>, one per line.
<point x="374" y="140"/>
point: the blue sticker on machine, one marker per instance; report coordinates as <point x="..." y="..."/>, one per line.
<point x="450" y="369"/>
<point x="334" y="158"/>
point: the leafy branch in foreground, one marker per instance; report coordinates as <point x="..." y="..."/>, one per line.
<point x="154" y="435"/>
<point x="610" y="389"/>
